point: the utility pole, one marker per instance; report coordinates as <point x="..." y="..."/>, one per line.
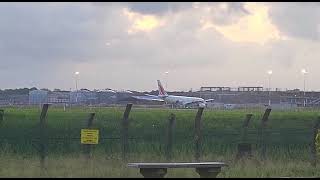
<point x="304" y="72"/>
<point x="269" y="72"/>
<point x="76" y="78"/>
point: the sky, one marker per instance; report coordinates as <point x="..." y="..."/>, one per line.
<point x="129" y="45"/>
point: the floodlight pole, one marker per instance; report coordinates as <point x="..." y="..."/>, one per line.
<point x="76" y="78"/>
<point x="166" y="73"/>
<point x="269" y="90"/>
<point x="304" y="72"/>
<point x="304" y="89"/>
<point x="269" y="72"/>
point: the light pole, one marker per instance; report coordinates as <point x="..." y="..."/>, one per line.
<point x="304" y="72"/>
<point x="166" y="73"/>
<point x="270" y="73"/>
<point x="76" y="78"/>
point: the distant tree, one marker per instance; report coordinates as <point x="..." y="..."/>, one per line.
<point x="84" y="89"/>
<point x="45" y="89"/>
<point x="154" y="92"/>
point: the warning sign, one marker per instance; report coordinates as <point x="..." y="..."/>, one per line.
<point x="318" y="143"/>
<point x="89" y="136"/>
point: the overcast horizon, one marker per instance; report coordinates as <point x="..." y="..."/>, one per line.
<point x="129" y="45"/>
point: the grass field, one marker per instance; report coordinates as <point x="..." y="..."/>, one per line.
<point x="106" y="166"/>
<point x="288" y="139"/>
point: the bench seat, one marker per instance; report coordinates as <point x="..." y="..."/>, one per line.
<point x="204" y="169"/>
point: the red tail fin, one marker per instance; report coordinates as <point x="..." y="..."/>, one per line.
<point x="162" y="92"/>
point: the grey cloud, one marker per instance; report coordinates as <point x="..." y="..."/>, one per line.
<point x="40" y="32"/>
<point x="237" y="7"/>
<point x="297" y="19"/>
<point x="45" y="44"/>
<point x="233" y="12"/>
<point x="158" y="8"/>
<point x="149" y="7"/>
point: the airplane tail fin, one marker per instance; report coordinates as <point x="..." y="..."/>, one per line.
<point x="162" y="92"/>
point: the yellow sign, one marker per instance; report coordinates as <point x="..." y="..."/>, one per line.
<point x="318" y="143"/>
<point x="89" y="136"/>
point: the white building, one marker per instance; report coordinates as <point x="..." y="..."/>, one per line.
<point x="38" y="97"/>
<point x="83" y="96"/>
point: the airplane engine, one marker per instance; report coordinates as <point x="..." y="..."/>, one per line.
<point x="178" y="104"/>
<point x="202" y="105"/>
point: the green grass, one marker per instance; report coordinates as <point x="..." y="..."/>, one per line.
<point x="102" y="165"/>
<point x="289" y="134"/>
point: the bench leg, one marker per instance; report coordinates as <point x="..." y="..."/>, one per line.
<point x="208" y="172"/>
<point x="153" y="172"/>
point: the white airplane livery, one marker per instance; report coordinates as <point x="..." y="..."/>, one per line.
<point x="175" y="100"/>
<point x="179" y="100"/>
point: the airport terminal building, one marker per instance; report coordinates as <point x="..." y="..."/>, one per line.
<point x="224" y="97"/>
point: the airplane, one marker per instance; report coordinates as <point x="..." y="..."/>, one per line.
<point x="183" y="101"/>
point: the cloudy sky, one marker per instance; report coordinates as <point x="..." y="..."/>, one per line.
<point x="131" y="45"/>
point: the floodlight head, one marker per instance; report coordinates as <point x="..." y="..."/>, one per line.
<point x="304" y="71"/>
<point x="77" y="73"/>
<point x="270" y="72"/>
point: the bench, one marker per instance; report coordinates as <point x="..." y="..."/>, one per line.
<point x="159" y="170"/>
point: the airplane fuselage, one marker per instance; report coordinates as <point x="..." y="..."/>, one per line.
<point x="170" y="99"/>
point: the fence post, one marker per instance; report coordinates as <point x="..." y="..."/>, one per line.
<point x="1" y="115"/>
<point x="316" y="126"/>
<point x="43" y="137"/>
<point x="172" y="119"/>
<point x="88" y="147"/>
<point x="124" y="133"/>
<point x="245" y="127"/>
<point x="244" y="148"/>
<point x="263" y="136"/>
<point x="198" y="134"/>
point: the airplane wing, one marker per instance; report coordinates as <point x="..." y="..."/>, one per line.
<point x="190" y="103"/>
<point x="152" y="95"/>
<point x="148" y="98"/>
<point x="199" y="102"/>
<point x="209" y="100"/>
